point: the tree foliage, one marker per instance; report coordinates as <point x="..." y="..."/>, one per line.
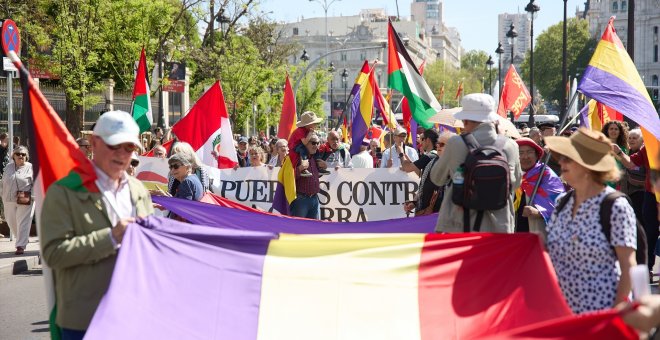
<point x="548" y="57"/>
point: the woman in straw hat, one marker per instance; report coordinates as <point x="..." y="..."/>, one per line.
<point x="592" y="272"/>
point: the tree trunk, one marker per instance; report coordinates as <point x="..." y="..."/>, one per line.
<point x="74" y="117"/>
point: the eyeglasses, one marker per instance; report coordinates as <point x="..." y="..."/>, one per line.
<point x="128" y="147"/>
<point x="135" y="163"/>
<point x="314" y="143"/>
<point x="20" y="154"/>
<point x="441" y="144"/>
<point x="175" y="166"/>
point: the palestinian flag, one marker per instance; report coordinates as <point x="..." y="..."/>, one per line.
<point x="141" y="109"/>
<point x="404" y="77"/>
<point x="55" y="157"/>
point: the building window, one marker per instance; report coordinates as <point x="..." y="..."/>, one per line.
<point x="624" y="6"/>
<point x="654" y="80"/>
<point x="295" y="31"/>
<point x="655" y="53"/>
<point x="615" y="6"/>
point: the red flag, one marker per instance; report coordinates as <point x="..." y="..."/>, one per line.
<point x="515" y="96"/>
<point x="288" y="116"/>
<point x="459" y="91"/>
<point x="167" y="145"/>
<point x="207" y="129"/>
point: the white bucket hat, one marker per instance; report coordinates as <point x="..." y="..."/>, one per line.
<point x="478" y="107"/>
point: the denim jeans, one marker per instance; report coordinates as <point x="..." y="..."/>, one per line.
<point x="306" y="206"/>
<point x="72" y="334"/>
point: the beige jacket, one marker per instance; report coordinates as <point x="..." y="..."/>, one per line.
<point x="450" y="217"/>
<point x="76" y="244"/>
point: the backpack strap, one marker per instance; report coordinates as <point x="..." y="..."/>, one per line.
<point x="606" y="212"/>
<point x="563" y="201"/>
<point x="470" y="141"/>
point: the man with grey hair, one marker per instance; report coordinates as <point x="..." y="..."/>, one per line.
<point x="535" y="135"/>
<point x="160" y="151"/>
<point x="363" y="159"/>
<point x="335" y="153"/>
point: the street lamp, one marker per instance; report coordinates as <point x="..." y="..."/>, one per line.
<point x="325" y="6"/>
<point x="332" y="70"/>
<point x="344" y="82"/>
<point x="511" y="36"/>
<point x="499" y="51"/>
<point x="304" y="56"/>
<point x="532" y="9"/>
<point x="490" y="63"/>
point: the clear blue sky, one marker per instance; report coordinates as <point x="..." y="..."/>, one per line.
<point x="476" y="20"/>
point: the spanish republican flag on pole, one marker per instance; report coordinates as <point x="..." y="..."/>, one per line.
<point x="56" y="158"/>
<point x="141" y="109"/>
<point x="611" y="78"/>
<point x="404" y="77"/>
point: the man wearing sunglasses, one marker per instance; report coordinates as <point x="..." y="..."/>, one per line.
<point x="306" y="203"/>
<point x="85" y="229"/>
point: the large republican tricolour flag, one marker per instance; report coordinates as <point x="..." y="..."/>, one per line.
<point x="141" y="108"/>
<point x="207" y="129"/>
<point x="611" y="78"/>
<point x="404" y="77"/>
<point x="216" y="283"/>
<point x="55" y="157"/>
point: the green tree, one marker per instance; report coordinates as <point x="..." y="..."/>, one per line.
<point x="548" y="56"/>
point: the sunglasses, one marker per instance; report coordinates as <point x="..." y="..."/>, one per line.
<point x="126" y="146"/>
<point x="135" y="163"/>
<point x="175" y="166"/>
<point x="314" y="143"/>
<point x="20" y="154"/>
<point x="441" y="144"/>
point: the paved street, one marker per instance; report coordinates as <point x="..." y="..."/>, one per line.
<point x="23" y="314"/>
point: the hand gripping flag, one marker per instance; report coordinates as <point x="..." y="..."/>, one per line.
<point x="207" y="129"/>
<point x="515" y="96"/>
<point x="288" y="116"/>
<point x="404" y="77"/>
<point x="141" y="108"/>
<point x="612" y="79"/>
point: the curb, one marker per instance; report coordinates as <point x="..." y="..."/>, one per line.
<point x="19" y="266"/>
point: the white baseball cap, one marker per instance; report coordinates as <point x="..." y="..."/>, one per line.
<point x="117" y="127"/>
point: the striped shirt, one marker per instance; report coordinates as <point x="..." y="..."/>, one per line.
<point x="308" y="186"/>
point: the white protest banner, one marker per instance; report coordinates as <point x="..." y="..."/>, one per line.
<point x="347" y="195"/>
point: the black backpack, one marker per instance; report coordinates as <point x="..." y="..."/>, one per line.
<point x="641" y="254"/>
<point x="487" y="183"/>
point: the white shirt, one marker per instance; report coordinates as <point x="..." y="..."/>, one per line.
<point x="363" y="160"/>
<point x="117" y="200"/>
<point x="396" y="162"/>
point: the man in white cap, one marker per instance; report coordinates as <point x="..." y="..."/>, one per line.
<point x="85" y="229"/>
<point x="479" y="119"/>
<point x="393" y="156"/>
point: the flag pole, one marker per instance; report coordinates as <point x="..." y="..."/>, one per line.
<point x="563" y="125"/>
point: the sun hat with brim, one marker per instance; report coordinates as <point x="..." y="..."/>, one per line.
<point x="524" y="141"/>
<point x="117" y="127"/>
<point x="477" y="107"/>
<point x="591" y="149"/>
<point x="308" y="118"/>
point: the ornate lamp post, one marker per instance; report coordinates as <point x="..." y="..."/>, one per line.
<point x="489" y="64"/>
<point x="511" y="36"/>
<point x="344" y="79"/>
<point x="532" y="9"/>
<point x="332" y="70"/>
<point x="499" y="51"/>
<point x="325" y="6"/>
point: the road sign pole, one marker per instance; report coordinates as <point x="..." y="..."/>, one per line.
<point x="10" y="111"/>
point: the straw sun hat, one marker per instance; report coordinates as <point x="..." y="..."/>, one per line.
<point x="308" y="118"/>
<point x="591" y="149"/>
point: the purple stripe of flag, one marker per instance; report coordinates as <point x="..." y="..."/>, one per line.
<point x="614" y="92"/>
<point x="358" y="126"/>
<point x="216" y="216"/>
<point x="207" y="279"/>
<point x="584" y="117"/>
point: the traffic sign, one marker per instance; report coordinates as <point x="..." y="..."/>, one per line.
<point x="10" y="37"/>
